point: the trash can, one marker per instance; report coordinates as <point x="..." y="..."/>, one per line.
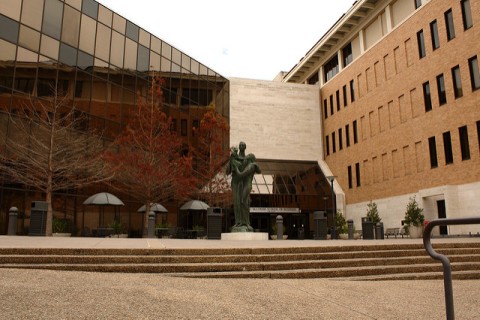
<point x="350" y="229"/>
<point x="320" y="222"/>
<point x="214" y="223"/>
<point x="368" y="231"/>
<point x="38" y="218"/>
<point x="379" y="234"/>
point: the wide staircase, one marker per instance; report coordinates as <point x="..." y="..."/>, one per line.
<point x="346" y="262"/>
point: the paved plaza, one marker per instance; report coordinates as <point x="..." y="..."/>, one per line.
<point x="35" y="294"/>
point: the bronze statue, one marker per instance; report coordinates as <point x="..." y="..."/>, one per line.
<point x="242" y="168"/>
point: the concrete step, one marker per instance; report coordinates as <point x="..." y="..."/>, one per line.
<point x="353" y="262"/>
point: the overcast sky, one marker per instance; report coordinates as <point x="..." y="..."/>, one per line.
<point x="253" y="39"/>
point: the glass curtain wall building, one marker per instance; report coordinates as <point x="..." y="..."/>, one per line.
<point x="99" y="61"/>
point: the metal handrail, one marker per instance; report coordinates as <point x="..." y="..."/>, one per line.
<point x="447" y="270"/>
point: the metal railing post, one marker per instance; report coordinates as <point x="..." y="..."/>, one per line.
<point x="447" y="269"/>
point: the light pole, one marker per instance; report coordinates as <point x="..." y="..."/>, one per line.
<point x="334" y="207"/>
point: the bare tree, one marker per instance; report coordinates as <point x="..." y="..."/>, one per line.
<point x="49" y="147"/>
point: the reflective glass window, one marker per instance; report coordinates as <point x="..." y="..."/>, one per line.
<point x="11" y="8"/>
<point x="144" y="38"/>
<point x="155" y="61"/>
<point x="90" y="8"/>
<point x="116" y="53"/>
<point x="68" y="55"/>
<point x="156" y="44"/>
<point x="466" y="14"/>
<point x="185" y="61"/>
<point x="194" y="66"/>
<point x="165" y="65"/>
<point x="457" y="82"/>
<point x="143" y="57"/>
<point x="176" y="68"/>
<point x="132" y="31"/>
<point x="77" y="4"/>
<point x="102" y="47"/>
<point x="449" y="24"/>
<point x="49" y="47"/>
<point x="130" y="54"/>
<point x="119" y="23"/>
<point x="52" y="18"/>
<point x="102" y="71"/>
<point x="166" y="50"/>
<point x="9" y="29"/>
<point x="25" y="55"/>
<point x="105" y="16"/>
<point x="29" y="38"/>
<point x="87" y="34"/>
<point x="85" y="61"/>
<point x="8" y="51"/>
<point x="176" y="56"/>
<point x="71" y="26"/>
<point x="32" y="13"/>
<point x="203" y="69"/>
<point x="474" y="73"/>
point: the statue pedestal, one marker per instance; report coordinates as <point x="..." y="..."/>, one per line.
<point x="245" y="236"/>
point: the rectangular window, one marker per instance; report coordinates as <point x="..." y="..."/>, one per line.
<point x="427" y="99"/>
<point x="466" y="14"/>
<point x="327" y="145"/>
<point x="350" y="184"/>
<point x="433" y="152"/>
<point x="347" y="135"/>
<point x="330" y="69"/>
<point x="352" y="91"/>
<point x="183" y="127"/>
<point x="331" y="104"/>
<point x="442" y="95"/>
<point x="421" y="44"/>
<point x="464" y="145"/>
<point x="325" y="109"/>
<point x="447" y="147"/>
<point x="434" y="33"/>
<point x="355" y="135"/>
<point x="334" y="145"/>
<point x="347" y="55"/>
<point x="337" y="94"/>
<point x="474" y="73"/>
<point x="357" y="174"/>
<point x="478" y="132"/>
<point x="340" y="139"/>
<point x="457" y="82"/>
<point x="345" y="100"/>
<point x="418" y="4"/>
<point x="194" y="127"/>
<point x="449" y="25"/>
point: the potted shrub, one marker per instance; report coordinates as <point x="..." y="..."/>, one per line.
<point x="341" y="225"/>
<point x="273" y="236"/>
<point x="414" y="218"/>
<point x="372" y="213"/>
<point x="59" y="228"/>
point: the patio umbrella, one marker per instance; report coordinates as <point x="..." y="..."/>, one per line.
<point x="155" y="207"/>
<point x="195" y="205"/>
<point x="103" y="199"/>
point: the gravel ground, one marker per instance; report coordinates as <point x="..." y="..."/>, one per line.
<point x="37" y="294"/>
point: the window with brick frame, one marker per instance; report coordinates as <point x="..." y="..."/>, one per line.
<point x="345" y="99"/>
<point x="427" y="98"/>
<point x="340" y="139"/>
<point x="352" y="91"/>
<point x="464" y="145"/>
<point x="442" y="94"/>
<point x="447" y="147"/>
<point x="421" y="44"/>
<point x="418" y="4"/>
<point x="432" y="146"/>
<point x="357" y="174"/>
<point x="466" y="14"/>
<point x="355" y="132"/>
<point x="457" y="82"/>
<point x="434" y="35"/>
<point x="347" y="135"/>
<point x="350" y="182"/>
<point x="337" y="94"/>
<point x="474" y="73"/>
<point x="478" y="133"/>
<point x="325" y="109"/>
<point x="331" y="105"/>
<point x="449" y="24"/>
<point x="334" y="146"/>
<point x="327" y="145"/>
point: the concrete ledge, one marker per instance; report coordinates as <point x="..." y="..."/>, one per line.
<point x="245" y="236"/>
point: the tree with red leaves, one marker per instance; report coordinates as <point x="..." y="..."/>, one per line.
<point x="211" y="154"/>
<point x="147" y="157"/>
